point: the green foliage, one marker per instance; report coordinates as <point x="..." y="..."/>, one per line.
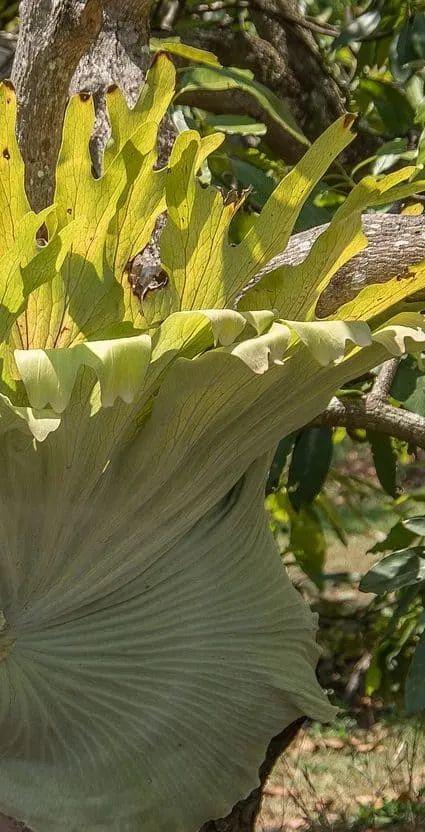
<point x="310" y="463"/>
<point x="8" y="13"/>
<point x="415" y="691"/>
<point x="398" y="570"/>
<point x="231" y="78"/>
<point x="385" y="460"/>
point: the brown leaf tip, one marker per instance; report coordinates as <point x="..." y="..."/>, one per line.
<point x="85" y="96"/>
<point x="160" y="54"/>
<point x="349" y="120"/>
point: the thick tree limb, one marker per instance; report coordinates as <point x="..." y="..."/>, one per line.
<point x="396" y="242"/>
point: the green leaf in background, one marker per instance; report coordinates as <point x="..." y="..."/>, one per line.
<point x="390" y="153"/>
<point x="332" y="516"/>
<point x="398" y="537"/>
<point x="385" y="461"/>
<point x="415" y="687"/>
<point x="307" y="543"/>
<point x="235" y="125"/>
<point x="230" y="79"/>
<point x="394" y="109"/>
<point x="309" y="466"/>
<point x="411" y="43"/>
<point x="183" y="50"/>
<point x="409" y="385"/>
<point x="279" y="460"/>
<point x="415" y="525"/>
<point x="359" y="28"/>
<point x="400" y="569"/>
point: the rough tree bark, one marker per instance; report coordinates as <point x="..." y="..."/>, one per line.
<point x="69" y="45"/>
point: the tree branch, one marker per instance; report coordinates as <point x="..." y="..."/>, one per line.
<point x="372" y="414"/>
<point x="384" y="381"/>
<point x="395" y="243"/>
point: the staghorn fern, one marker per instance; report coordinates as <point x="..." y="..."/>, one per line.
<point x="151" y="644"/>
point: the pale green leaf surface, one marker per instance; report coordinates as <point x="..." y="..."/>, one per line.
<point x="403" y="333"/>
<point x="120" y="365"/>
<point x="328" y="340"/>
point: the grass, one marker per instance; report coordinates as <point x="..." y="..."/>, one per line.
<point x="343" y="778"/>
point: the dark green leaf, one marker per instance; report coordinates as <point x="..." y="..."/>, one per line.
<point x="396" y="112"/>
<point x="411" y="42"/>
<point x="309" y="466"/>
<point x="385" y="461"/>
<point x="278" y="464"/>
<point x="229" y="79"/>
<point x="415" y="682"/>
<point x="403" y="568"/>
<point x="398" y="537"/>
<point x="416" y="525"/>
<point x="409" y="385"/>
<point x="307" y="543"/>
<point x="332" y="517"/>
<point x="235" y="125"/>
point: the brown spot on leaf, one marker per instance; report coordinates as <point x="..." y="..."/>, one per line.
<point x="234" y="196"/>
<point x="69" y="211"/>
<point x="42" y="235"/>
<point x="144" y="278"/>
<point x="349" y="120"/>
<point x="6" y="154"/>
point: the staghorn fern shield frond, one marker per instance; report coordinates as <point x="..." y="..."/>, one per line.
<point x="151" y="644"/>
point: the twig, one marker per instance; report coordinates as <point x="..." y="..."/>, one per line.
<point x="384" y="381"/>
<point x="287" y="17"/>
